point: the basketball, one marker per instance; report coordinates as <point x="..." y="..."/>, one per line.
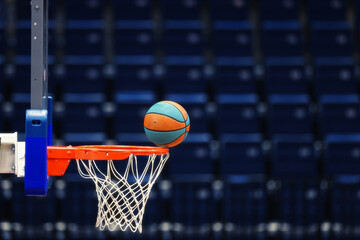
<point x="166" y="124"/>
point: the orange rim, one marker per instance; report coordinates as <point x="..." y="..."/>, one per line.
<point x="59" y="157"/>
<point x="102" y="152"/>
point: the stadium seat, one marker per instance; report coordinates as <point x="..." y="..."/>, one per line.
<point x="279" y="9"/>
<point x="83" y="121"/>
<point x="331" y="39"/>
<point x="339" y="114"/>
<point x="238" y="113"/>
<point x="184" y="75"/>
<point x="84" y="71"/>
<point x="28" y="211"/>
<point x="84" y="9"/>
<point x="285" y="75"/>
<point x="294" y="156"/>
<point x="246" y="196"/>
<point x="133" y="37"/>
<point x="134" y="73"/>
<point x="301" y="204"/>
<point x="79" y="203"/>
<point x="341" y="154"/>
<point x="192" y="202"/>
<point x="345" y="190"/>
<point x="131" y="108"/>
<point x="183" y="9"/>
<point x="3" y="39"/>
<point x="84" y="38"/>
<point x="21" y="102"/>
<point x="133" y="10"/>
<point x="232" y="38"/>
<point x="241" y="154"/>
<point x="335" y="75"/>
<point x="282" y="38"/>
<point x="192" y="156"/>
<point x="230" y="10"/>
<point x="235" y="75"/>
<point x="183" y="38"/>
<point x="327" y="10"/>
<point x="196" y="106"/>
<point x="289" y="114"/>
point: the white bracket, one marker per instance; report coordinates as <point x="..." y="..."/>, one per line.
<point x="12" y="155"/>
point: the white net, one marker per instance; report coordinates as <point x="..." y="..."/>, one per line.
<point x="122" y="197"/>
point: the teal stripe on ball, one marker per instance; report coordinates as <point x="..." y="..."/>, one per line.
<point x="162" y="138"/>
<point x="187" y="121"/>
<point x="167" y="109"/>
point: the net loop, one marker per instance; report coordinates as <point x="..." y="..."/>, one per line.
<point x="122" y="196"/>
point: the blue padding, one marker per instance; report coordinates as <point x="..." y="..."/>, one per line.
<point x="36" y="178"/>
<point x="50" y="120"/>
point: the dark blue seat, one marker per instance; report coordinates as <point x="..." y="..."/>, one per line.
<point x="84" y="9"/>
<point x="192" y="201"/>
<point x="344" y="199"/>
<point x="79" y="203"/>
<point x="21" y="102"/>
<point x="135" y="37"/>
<point x="341" y="154"/>
<point x="183" y="38"/>
<point x="293" y="155"/>
<point x="282" y="38"/>
<point x="184" y="75"/>
<point x="229" y="9"/>
<point x="285" y="75"/>
<point x="242" y="154"/>
<point x="335" y="75"/>
<point x="84" y="75"/>
<point x="23" y="38"/>
<point x="327" y="10"/>
<point x="131" y="107"/>
<point x="339" y="114"/>
<point x="238" y="113"/>
<point x="183" y="9"/>
<point x="331" y="39"/>
<point x="3" y="38"/>
<point x="235" y="75"/>
<point x="289" y="114"/>
<point x="84" y="38"/>
<point x="134" y="73"/>
<point x="300" y="203"/>
<point x="192" y="156"/>
<point x="134" y="10"/>
<point x="232" y="38"/>
<point x="83" y="120"/>
<point x="27" y="211"/>
<point x="279" y="9"/>
<point x="196" y="106"/>
<point x="244" y="195"/>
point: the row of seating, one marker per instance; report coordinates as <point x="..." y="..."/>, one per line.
<point x="193" y="9"/>
<point x="234" y="38"/>
<point x="227" y="75"/>
<point x="240" y="203"/>
<point x="230" y="113"/>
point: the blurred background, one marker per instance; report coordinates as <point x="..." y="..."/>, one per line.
<point x="272" y="90"/>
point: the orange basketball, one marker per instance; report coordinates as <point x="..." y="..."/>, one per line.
<point x="166" y="124"/>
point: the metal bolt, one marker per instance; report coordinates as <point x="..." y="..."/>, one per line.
<point x="37" y="7"/>
<point x="62" y="173"/>
<point x="13" y="168"/>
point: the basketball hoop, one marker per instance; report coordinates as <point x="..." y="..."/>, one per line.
<point x="122" y="195"/>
